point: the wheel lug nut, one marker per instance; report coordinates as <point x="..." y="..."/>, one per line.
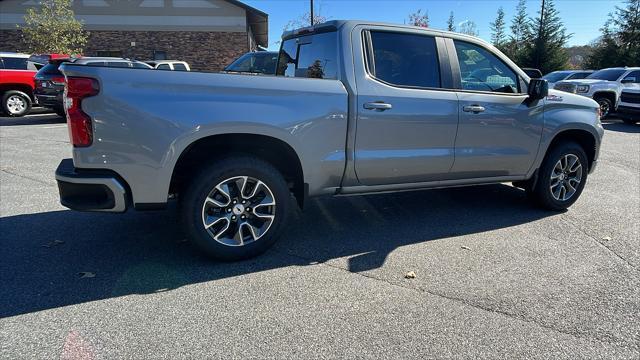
<point x="228" y="210"/>
<point x="248" y="209"/>
<point x="235" y="201"/>
<point x="243" y="217"/>
<point x="244" y="201"/>
<point x="233" y="217"/>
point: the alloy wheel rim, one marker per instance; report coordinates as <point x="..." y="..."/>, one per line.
<point x="238" y="211"/>
<point x="604" y="108"/>
<point x="566" y="177"/>
<point x="16" y="104"/>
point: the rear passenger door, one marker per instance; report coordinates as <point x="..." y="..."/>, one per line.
<point x="406" y="117"/>
<point x="500" y="128"/>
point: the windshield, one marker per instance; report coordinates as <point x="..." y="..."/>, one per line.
<point x="610" y="75"/>
<point x="556" y="76"/>
<point x="260" y="62"/>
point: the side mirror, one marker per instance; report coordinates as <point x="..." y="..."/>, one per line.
<point x="538" y="89"/>
<point x="628" y="80"/>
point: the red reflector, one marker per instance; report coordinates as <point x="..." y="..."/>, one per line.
<point x="79" y="123"/>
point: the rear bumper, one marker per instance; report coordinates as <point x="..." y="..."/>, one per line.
<point x="90" y="190"/>
<point x="50" y="101"/>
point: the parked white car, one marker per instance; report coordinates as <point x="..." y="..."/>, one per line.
<point x="603" y="86"/>
<point x="629" y="107"/>
<point x="555" y="76"/>
<point x="173" y="65"/>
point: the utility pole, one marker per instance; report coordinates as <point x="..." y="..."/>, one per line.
<point x="311" y="12"/>
<point x="539" y="47"/>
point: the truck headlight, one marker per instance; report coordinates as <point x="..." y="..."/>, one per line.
<point x="582" y="88"/>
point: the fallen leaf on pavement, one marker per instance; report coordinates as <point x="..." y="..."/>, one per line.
<point x="607" y="238"/>
<point x="410" y="275"/>
<point x="86" y="274"/>
<point x="464" y="248"/>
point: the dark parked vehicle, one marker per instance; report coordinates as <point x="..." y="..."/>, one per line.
<point x="49" y="81"/>
<point x="262" y="62"/>
<point x="50" y="86"/>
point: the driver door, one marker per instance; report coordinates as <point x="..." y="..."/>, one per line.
<point x="499" y="130"/>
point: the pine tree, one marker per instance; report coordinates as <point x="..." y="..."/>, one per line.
<point x="628" y="23"/>
<point x="547" y="51"/>
<point x="619" y="44"/>
<point x="64" y="33"/>
<point x="450" y="23"/>
<point x="520" y="34"/>
<point x="498" y="35"/>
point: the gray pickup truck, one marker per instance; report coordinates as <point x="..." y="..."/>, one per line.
<point x="354" y="108"/>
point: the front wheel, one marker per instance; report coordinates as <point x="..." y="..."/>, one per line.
<point x="236" y="208"/>
<point x="561" y="177"/>
<point x="605" y="106"/>
<point x="16" y="103"/>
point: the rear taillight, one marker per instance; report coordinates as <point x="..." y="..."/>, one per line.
<point x="58" y="80"/>
<point x="76" y="89"/>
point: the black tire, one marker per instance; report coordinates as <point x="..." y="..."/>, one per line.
<point x="193" y="198"/>
<point x="541" y="194"/>
<point x="630" y="121"/>
<point x="60" y="112"/>
<point x="606" y="106"/>
<point x="12" y="96"/>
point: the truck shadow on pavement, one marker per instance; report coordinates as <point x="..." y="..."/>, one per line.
<point x="59" y="258"/>
<point x="621" y="127"/>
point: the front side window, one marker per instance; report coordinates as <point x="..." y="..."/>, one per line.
<point x="405" y="59"/>
<point x="634" y="76"/>
<point x="480" y="70"/>
<point x="310" y="57"/>
<point x="14" y="63"/>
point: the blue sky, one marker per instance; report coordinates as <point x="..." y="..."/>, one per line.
<point x="583" y="18"/>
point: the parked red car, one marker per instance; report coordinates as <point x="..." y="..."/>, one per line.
<point x="16" y="83"/>
<point x="17" y="72"/>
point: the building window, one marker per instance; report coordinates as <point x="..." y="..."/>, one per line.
<point x="109" y="53"/>
<point x="159" y="55"/>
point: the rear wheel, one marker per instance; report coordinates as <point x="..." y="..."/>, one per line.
<point x="561" y="177"/>
<point x="16" y="103"/>
<point x="236" y="208"/>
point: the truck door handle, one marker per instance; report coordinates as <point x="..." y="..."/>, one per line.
<point x="380" y="106"/>
<point x="473" y="108"/>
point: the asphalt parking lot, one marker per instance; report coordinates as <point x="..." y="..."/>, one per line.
<point x="495" y="277"/>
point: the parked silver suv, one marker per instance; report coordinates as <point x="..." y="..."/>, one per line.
<point x="355" y="107"/>
<point x="604" y="86"/>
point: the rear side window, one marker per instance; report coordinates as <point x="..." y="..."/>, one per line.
<point x="163" y="67"/>
<point x="179" y="67"/>
<point x="15" y="63"/>
<point x="312" y="56"/>
<point x="405" y="59"/>
<point x="481" y="70"/>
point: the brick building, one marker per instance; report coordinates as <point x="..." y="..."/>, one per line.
<point x="208" y="34"/>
